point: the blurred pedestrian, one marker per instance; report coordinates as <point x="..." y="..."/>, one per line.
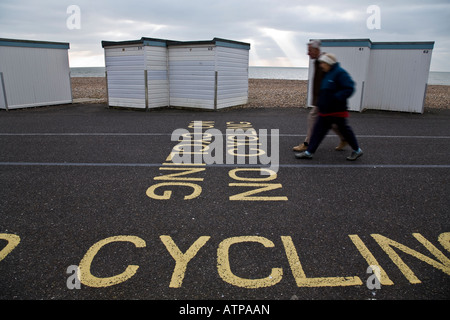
<point x="314" y="53"/>
<point x="336" y="87"/>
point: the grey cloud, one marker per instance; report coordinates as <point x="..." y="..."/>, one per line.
<point x="401" y="20"/>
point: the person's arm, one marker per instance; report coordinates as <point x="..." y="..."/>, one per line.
<point x="346" y="86"/>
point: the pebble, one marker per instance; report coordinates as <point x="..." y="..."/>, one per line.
<point x="263" y="93"/>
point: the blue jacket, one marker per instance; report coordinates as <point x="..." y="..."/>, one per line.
<point x="336" y="87"/>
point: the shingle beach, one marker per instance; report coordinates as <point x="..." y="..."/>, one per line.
<point x="263" y="93"/>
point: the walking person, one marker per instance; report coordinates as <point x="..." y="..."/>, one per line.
<point x="336" y="87"/>
<point x="314" y="53"/>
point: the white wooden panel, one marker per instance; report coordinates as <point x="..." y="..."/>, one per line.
<point x="309" y="98"/>
<point x="156" y="58"/>
<point x="192" y="103"/>
<point x="195" y="52"/>
<point x="35" y="76"/>
<point x="125" y="76"/>
<point x="397" y="80"/>
<point x="192" y="76"/>
<point x="156" y="61"/>
<point x="232" y="84"/>
<point x="124" y="51"/>
<point x="127" y="103"/>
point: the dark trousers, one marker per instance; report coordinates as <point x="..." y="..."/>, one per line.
<point x="323" y="125"/>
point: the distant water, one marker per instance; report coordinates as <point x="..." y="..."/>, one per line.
<point x="440" y="78"/>
<point x="278" y="73"/>
<point x="87" y="72"/>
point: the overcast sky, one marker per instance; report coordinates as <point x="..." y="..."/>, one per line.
<point x="276" y="29"/>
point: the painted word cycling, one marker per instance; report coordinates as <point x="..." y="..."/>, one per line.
<point x="180" y="179"/>
<point x="226" y="271"/>
<point x="243" y="146"/>
<point x="236" y="141"/>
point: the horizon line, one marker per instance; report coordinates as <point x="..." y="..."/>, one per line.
<point x="249" y="67"/>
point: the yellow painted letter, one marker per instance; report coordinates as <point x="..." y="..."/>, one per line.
<point x="444" y="240"/>
<point x="90" y="280"/>
<point x="168" y="193"/>
<point x="371" y="260"/>
<point x="300" y="276"/>
<point x="386" y="244"/>
<point x="224" y="269"/>
<point x="13" y="241"/>
<point x="181" y="260"/>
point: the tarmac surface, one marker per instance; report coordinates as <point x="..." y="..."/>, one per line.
<point x="84" y="185"/>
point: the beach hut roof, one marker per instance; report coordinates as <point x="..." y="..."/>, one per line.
<point x="33" y="44"/>
<point x="164" y="43"/>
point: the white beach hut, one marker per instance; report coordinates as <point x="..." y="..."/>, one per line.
<point x="208" y="74"/>
<point x="136" y="73"/>
<point x="398" y="76"/>
<point x="388" y="75"/>
<point x="150" y="73"/>
<point x="33" y="73"/>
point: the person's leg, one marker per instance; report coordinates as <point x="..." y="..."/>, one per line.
<point x="349" y="136"/>
<point x="319" y="132"/>
<point x="311" y="121"/>
<point x="342" y="143"/>
<point x="346" y="132"/>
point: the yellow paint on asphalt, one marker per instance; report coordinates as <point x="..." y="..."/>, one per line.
<point x="167" y="194"/>
<point x="13" y="242"/>
<point x="272" y="174"/>
<point x="371" y="260"/>
<point x="387" y="245"/>
<point x="444" y="240"/>
<point x="224" y="268"/>
<point x="300" y="276"/>
<point x="88" y="279"/>
<point x="181" y="259"/>
<point x="260" y="187"/>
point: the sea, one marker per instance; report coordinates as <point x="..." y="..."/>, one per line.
<point x="279" y="73"/>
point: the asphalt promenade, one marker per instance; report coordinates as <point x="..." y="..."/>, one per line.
<point x="96" y="188"/>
